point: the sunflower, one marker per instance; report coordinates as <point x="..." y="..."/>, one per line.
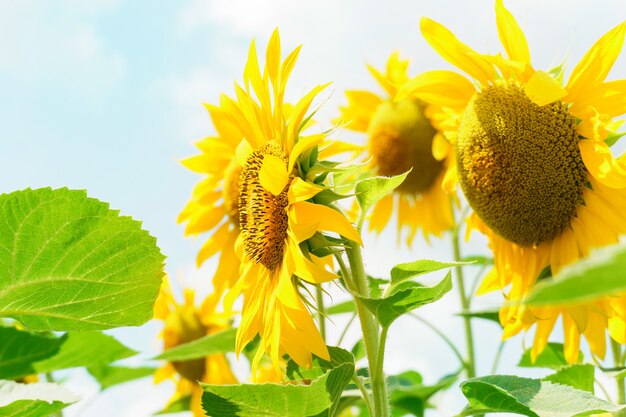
<point x="277" y="212"/>
<point x="401" y="137"/>
<point x="185" y="323"/>
<point x="214" y="203"/>
<point x="533" y="161"/>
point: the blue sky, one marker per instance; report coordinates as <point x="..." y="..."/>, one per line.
<point x="106" y="96"/>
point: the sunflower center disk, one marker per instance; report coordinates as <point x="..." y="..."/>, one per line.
<point x="519" y="164"/>
<point x="183" y="326"/>
<point x="262" y="215"/>
<point x="230" y="192"/>
<point x="400" y="138"/>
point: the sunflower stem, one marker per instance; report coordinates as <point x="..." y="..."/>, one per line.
<point x="369" y="326"/>
<point x="465" y="303"/>
<point x="321" y="312"/>
<point x="619" y="363"/>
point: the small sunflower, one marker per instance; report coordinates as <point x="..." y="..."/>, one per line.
<point x="214" y="203"/>
<point x="402" y="136"/>
<point x="277" y="212"/>
<point x="533" y="162"/>
<point x="185" y="323"/>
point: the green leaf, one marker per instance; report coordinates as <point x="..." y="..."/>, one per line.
<point x="321" y="389"/>
<point x="369" y="191"/>
<point x="20" y="349"/>
<point x="68" y="262"/>
<point x="107" y="375"/>
<point x="493" y="316"/>
<point x="389" y="308"/>
<point x="529" y="397"/>
<point x="408" y="393"/>
<point x="402" y="272"/>
<point x="579" y="376"/>
<point x="599" y="275"/>
<point x="33" y="400"/>
<point x="551" y="357"/>
<point x="341" y="308"/>
<point x="219" y="342"/>
<point x="85" y="349"/>
<point x="478" y="260"/>
<point x="23" y="353"/>
<point x="613" y="137"/>
<point x="180" y="405"/>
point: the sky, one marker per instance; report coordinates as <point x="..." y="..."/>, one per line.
<point x="106" y="95"/>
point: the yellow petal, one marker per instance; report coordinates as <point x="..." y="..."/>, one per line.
<point x="572" y="339"/>
<point x="299" y="111"/>
<point x="213" y="244"/>
<point x="444" y="88"/>
<point x="596" y="64"/>
<point x="440" y="147"/>
<point x="456" y="52"/>
<point x="308" y="270"/>
<point x="511" y="35"/>
<point x="490" y="282"/>
<point x="303" y="144"/>
<point x="542" y="89"/>
<point x="204" y="219"/>
<point x="243" y="151"/>
<point x="273" y="174"/>
<point x="544" y="328"/>
<point x="272" y="56"/>
<point x="595" y="333"/>
<point x="564" y="250"/>
<point x="205" y="163"/>
<point x="300" y="190"/>
<point x="381" y="213"/>
<point x="326" y="219"/>
<point x="600" y="163"/>
<point x="383" y="81"/>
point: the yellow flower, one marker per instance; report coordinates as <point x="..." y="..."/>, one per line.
<point x="185" y="323"/>
<point x="277" y="214"/>
<point x="534" y="165"/>
<point x="402" y="136"/>
<point x="214" y="202"/>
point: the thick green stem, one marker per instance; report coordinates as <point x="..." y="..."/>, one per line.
<point x="619" y="363"/>
<point x="465" y="305"/>
<point x="321" y="312"/>
<point x="369" y="326"/>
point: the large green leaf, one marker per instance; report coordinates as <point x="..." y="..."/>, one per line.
<point x="551" y="357"/>
<point x="68" y="262"/>
<point x="603" y="273"/>
<point x="389" y="308"/>
<point x="23" y="353"/>
<point x="220" y="342"/>
<point x="20" y="349"/>
<point x="108" y="375"/>
<point x="369" y="191"/>
<point x="33" y="400"/>
<point x="313" y="392"/>
<point x="85" y="349"/>
<point x="529" y="397"/>
<point x="579" y="376"/>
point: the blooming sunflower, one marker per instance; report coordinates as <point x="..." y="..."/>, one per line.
<point x="185" y="323"/>
<point x="533" y="161"/>
<point x="278" y="213"/>
<point x="401" y="136"/>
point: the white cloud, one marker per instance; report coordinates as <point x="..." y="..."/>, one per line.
<point x="58" y="43"/>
